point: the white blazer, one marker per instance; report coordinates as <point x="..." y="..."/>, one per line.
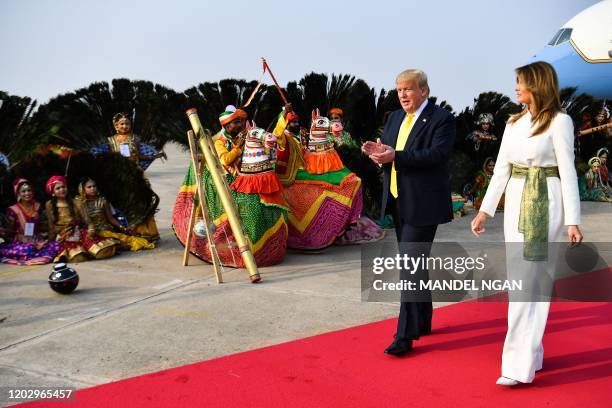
<point x="553" y="147"/>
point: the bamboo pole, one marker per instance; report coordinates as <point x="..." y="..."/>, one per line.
<point x="280" y="90"/>
<point x="194" y="208"/>
<point x="192" y="217"/>
<point x="201" y="195"/>
<point x="225" y="196"/>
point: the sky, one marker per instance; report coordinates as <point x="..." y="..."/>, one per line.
<point x="49" y="47"/>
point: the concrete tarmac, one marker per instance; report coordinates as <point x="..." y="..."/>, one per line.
<point x="142" y="312"/>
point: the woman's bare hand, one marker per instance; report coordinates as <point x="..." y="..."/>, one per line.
<point x="478" y="223"/>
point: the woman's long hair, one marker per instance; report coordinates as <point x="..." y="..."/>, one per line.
<point x="541" y="80"/>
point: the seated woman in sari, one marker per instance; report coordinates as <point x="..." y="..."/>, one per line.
<point x="95" y="211"/>
<point x="27" y="225"/>
<point x="326" y="197"/>
<point x="244" y="153"/>
<point x="66" y="226"/>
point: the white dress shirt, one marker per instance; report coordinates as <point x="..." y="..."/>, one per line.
<point x="415" y="116"/>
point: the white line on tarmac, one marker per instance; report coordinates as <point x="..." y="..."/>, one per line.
<point x="167" y="284"/>
<point x="79" y="314"/>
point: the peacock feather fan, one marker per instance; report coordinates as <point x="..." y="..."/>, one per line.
<point x="83" y="118"/>
<point x="20" y="132"/>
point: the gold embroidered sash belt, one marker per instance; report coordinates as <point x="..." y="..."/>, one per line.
<point x="533" y="218"/>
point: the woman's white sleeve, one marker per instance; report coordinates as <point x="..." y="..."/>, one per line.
<point x="563" y="144"/>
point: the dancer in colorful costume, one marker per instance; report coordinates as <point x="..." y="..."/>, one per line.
<point x="66" y="226"/>
<point x="602" y="154"/>
<point x="27" y="225"/>
<point x="590" y="140"/>
<point x="326" y="197"/>
<point x="291" y="137"/>
<point x="483" y="178"/>
<point x="337" y="132"/>
<point x="95" y="211"/>
<point x="364" y="230"/>
<point x="591" y="186"/>
<point x="244" y="151"/>
<point x="484" y="133"/>
<point x="129" y="145"/>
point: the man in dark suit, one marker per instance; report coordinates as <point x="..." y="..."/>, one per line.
<point x="415" y="151"/>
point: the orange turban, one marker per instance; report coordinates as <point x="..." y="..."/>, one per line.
<point x="53" y="181"/>
<point x="231" y="114"/>
<point x="292" y="116"/>
<point x="337" y="111"/>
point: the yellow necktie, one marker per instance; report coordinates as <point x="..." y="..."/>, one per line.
<point x="402" y="138"/>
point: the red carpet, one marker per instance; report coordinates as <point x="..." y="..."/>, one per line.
<point x="456" y="366"/>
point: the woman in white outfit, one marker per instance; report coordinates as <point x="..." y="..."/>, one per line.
<point x="535" y="168"/>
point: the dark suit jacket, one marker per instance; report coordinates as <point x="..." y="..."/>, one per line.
<point x="423" y="167"/>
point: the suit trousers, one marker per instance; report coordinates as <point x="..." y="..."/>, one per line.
<point x="414" y="317"/>
<point x="527" y="312"/>
<point x="523" y="350"/>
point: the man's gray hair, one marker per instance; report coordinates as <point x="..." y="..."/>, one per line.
<point x="414" y="74"/>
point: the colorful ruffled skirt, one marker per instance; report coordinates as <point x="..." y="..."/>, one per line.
<point x="26" y="253"/>
<point x="322" y="207"/>
<point x="264" y="218"/>
<point x="86" y="248"/>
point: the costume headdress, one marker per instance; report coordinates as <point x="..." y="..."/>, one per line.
<point x="119" y="116"/>
<point x="485" y="118"/>
<point x="594" y="160"/>
<point x="605" y="110"/>
<point x="18" y="183"/>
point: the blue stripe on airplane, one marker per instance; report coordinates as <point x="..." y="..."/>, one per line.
<point x="592" y="78"/>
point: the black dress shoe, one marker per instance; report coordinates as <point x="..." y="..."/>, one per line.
<point x="399" y="347"/>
